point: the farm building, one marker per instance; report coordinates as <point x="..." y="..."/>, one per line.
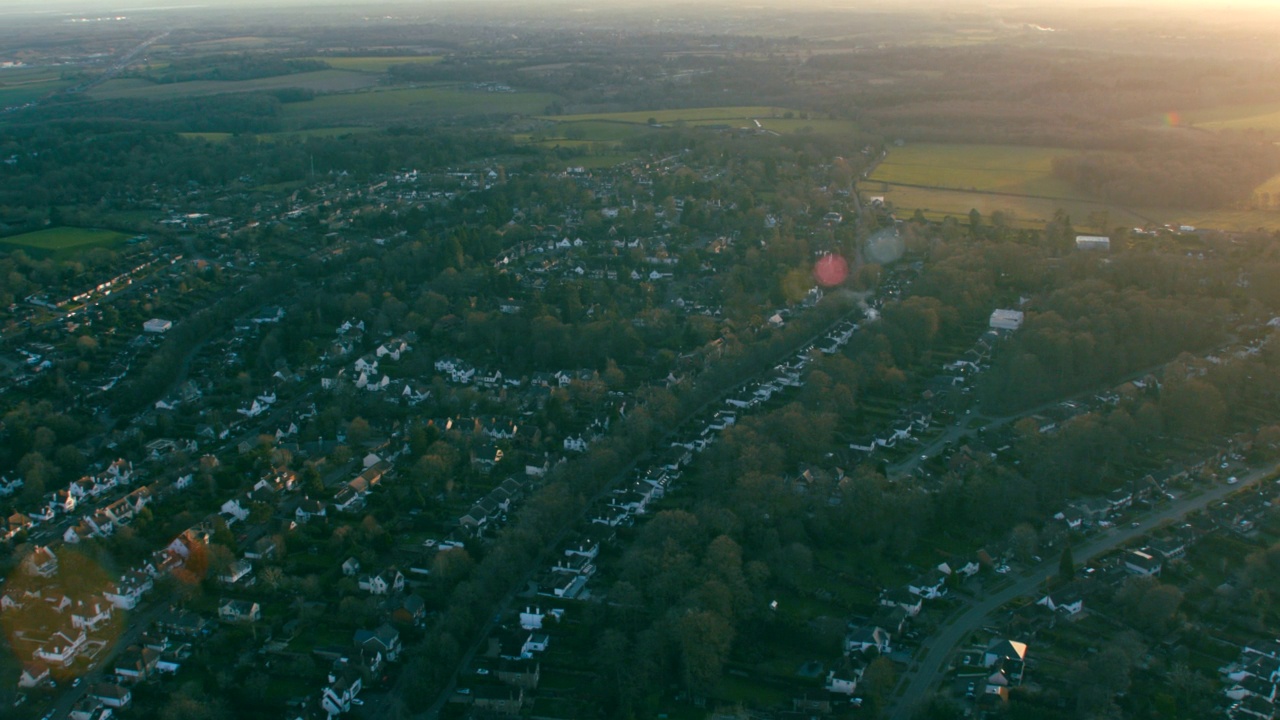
<point x="1006" y="319"/>
<point x="156" y="325"/>
<point x="1093" y="242"/>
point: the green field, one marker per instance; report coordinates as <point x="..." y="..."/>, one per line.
<point x="278" y="136"/>
<point x="1018" y="181"/>
<point x="64" y="239"/>
<point x="319" y="81"/>
<point x="407" y="105"/>
<point x="376" y="64"/>
<point x="24" y="84"/>
<point x="706" y="115"/>
<point x="976" y="168"/>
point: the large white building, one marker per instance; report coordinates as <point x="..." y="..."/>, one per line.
<point x="1006" y="319"/>
<point x="1093" y="242"/>
<point x="156" y="325"/>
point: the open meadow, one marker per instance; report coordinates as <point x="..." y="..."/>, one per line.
<point x="691" y="116"/>
<point x="1235" y="117"/>
<point x="60" y="240"/>
<point x="375" y="64"/>
<point x="20" y="85"/>
<point x="319" y="81"/>
<point x="979" y="168"/>
<point x="408" y="105"/>
<point x="941" y="180"/>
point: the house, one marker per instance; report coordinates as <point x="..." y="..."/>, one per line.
<point x="157" y="325"/>
<point x="930" y="586"/>
<point x="1008" y="655"/>
<point x="843" y="679"/>
<point x="126" y="594"/>
<point x="33" y="674"/>
<point x="575" y="564"/>
<point x="350" y="567"/>
<point x="344" y="684"/>
<point x="575" y="444"/>
<point x="183" y="623"/>
<point x="234" y="511"/>
<point x="500" y="699"/>
<point x="1068" y="600"/>
<point x="866" y="638"/>
<point x="385" y="640"/>
<point x="136" y="664"/>
<point x="385" y="582"/>
<point x="112" y="695"/>
<point x="41" y="562"/>
<point x="239" y="572"/>
<point x="62" y="648"/>
<point x="910" y="602"/>
<point x="1141" y="562"/>
<point x="347" y="499"/>
<point x="239" y="611"/>
<point x="91" y="614"/>
<point x="537" y="642"/>
<point x="410" y="611"/>
<point x="90" y="708"/>
<point x="523" y="673"/>
<point x="308" y="509"/>
<point x="1006" y="319"/>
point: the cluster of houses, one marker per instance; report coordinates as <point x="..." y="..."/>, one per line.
<point x="83" y="495"/>
<point x="1251" y="682"/>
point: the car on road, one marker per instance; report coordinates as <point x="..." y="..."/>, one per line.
<point x="1233" y="480"/>
<point x="968" y="692"/>
<point x="464" y="691"/>
<point x="1135" y="524"/>
<point x="482" y="671"/>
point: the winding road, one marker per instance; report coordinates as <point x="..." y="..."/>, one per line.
<point x="931" y="668"/>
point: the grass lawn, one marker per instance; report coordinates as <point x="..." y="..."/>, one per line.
<point x="64" y="239"/>
<point x="376" y="64"/>
<point x="319" y="81"/>
<point x="407" y="105"/>
<point x="736" y="689"/>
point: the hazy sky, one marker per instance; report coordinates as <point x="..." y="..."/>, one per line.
<point x="124" y="6"/>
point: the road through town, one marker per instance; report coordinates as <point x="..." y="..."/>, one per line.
<point x="930" y="669"/>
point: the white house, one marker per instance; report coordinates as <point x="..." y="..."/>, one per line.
<point x="866" y="638"/>
<point x="1006" y="319"/>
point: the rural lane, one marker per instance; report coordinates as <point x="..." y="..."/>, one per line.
<point x="916" y="684"/>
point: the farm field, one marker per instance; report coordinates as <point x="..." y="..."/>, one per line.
<point x="375" y="64"/>
<point x="278" y="136"/>
<point x="63" y="239"/>
<point x="977" y="168"/>
<point x="320" y="81"/>
<point x="1236" y="117"/>
<point x="706" y="115"/>
<point x="407" y="105"/>
<point x="24" y="84"/>
<point x="1024" y="212"/>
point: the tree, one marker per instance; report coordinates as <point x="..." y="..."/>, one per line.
<point x="704" y="639"/>
<point x="1066" y="564"/>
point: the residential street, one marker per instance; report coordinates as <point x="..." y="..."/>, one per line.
<point x="915" y="685"/>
